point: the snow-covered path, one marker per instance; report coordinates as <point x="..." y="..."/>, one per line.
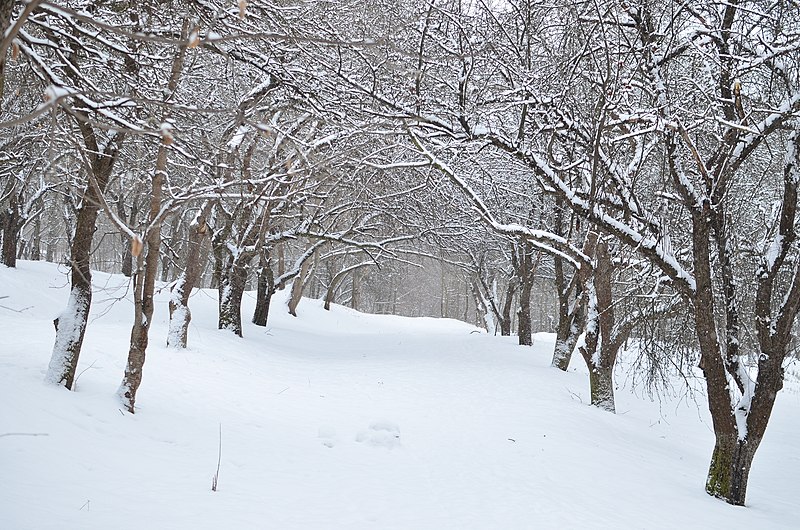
<point x="345" y="420"/>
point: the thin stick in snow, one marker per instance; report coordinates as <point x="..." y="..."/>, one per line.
<point x="215" y="480"/>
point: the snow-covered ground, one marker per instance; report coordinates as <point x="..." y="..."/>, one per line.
<point x="345" y="420"/>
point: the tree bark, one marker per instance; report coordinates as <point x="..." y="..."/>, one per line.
<point x="600" y="346"/>
<point x="355" y="290"/>
<point x="144" y="280"/>
<point x="179" y="314"/>
<point x="525" y="270"/>
<point x="169" y="254"/>
<point x="265" y="289"/>
<point x="6" y="9"/>
<point x="571" y="300"/>
<point x="11" y="226"/>
<point x="337" y="280"/>
<point x="525" y="329"/>
<point x="297" y="287"/>
<point x="601" y="388"/>
<point x="571" y="317"/>
<point x="508" y="303"/>
<point x="127" y="257"/>
<point x="730" y="468"/>
<point x="36" y="239"/>
<point x="71" y="324"/>
<point x="232" y="282"/>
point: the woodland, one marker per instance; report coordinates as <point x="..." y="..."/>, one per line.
<point x="621" y="173"/>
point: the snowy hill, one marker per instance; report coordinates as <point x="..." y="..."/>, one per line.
<point x="346" y="420"/>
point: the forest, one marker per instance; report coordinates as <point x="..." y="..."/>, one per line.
<point x="621" y="173"/>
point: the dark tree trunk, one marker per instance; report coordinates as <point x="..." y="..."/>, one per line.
<point x="231" y="271"/>
<point x="571" y="316"/>
<point x="11" y="226"/>
<point x="508" y="303"/>
<point x="525" y="270"/>
<point x="281" y="259"/>
<point x="179" y="314"/>
<point x="354" y="290"/>
<point x="737" y="441"/>
<point x="36" y="239"/>
<point x="265" y="290"/>
<point x="600" y="346"/>
<point x="601" y="388"/>
<point x="6" y="9"/>
<point x="232" y="282"/>
<point x="71" y="325"/>
<point x="730" y="468"/>
<point x="170" y="253"/>
<point x="525" y="329"/>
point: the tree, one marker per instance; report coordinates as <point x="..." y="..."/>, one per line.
<point x="147" y="248"/>
<point x="179" y="314"/>
<point x="598" y="127"/>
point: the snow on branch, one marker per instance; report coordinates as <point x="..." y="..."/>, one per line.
<point x="548" y="242"/>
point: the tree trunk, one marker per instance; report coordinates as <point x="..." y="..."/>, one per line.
<point x="508" y="303"/>
<point x="36" y="239"/>
<point x="571" y="316"/>
<point x="525" y="270"/>
<point x="50" y="251"/>
<point x="525" y="328"/>
<point x="144" y="287"/>
<point x="600" y="346"/>
<point x="231" y="288"/>
<point x="265" y="290"/>
<point x="297" y="287"/>
<point x="143" y="314"/>
<point x="12" y="224"/>
<point x="337" y="280"/>
<point x="730" y="468"/>
<point x="70" y="330"/>
<point x="127" y="257"/>
<point x="601" y="388"/>
<point x="281" y="259"/>
<point x="6" y="9"/>
<point x="71" y="324"/>
<point x="484" y="307"/>
<point x="179" y="314"/>
<point x="354" y="290"/>
<point x="169" y="254"/>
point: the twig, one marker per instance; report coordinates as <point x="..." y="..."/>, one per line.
<point x="24" y="434"/>
<point x="75" y="383"/>
<point x="575" y="395"/>
<point x="15" y="310"/>
<point x="215" y="480"/>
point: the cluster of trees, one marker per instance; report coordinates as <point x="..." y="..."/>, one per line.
<point x="638" y="159"/>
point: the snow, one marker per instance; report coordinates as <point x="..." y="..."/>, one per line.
<point x="70" y="326"/>
<point x="53" y="93"/>
<point x="346" y="420"/>
<point x="773" y="252"/>
<point x="238" y="137"/>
